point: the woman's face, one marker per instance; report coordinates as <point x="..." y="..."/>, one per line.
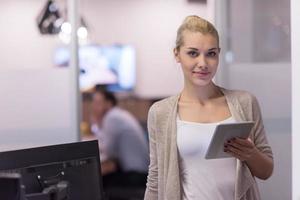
<point x="199" y="57"/>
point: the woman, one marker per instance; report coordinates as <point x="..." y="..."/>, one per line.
<point x="180" y="128"/>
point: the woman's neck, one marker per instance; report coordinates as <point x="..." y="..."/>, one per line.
<point x="200" y="94"/>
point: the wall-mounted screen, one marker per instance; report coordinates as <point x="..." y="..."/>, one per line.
<point x="112" y="65"/>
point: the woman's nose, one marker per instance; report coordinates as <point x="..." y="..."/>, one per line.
<point x="201" y="61"/>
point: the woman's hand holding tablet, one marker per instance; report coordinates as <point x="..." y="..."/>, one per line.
<point x="231" y="140"/>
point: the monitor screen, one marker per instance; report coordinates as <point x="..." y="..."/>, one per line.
<point x="112" y="65"/>
<point x="75" y="166"/>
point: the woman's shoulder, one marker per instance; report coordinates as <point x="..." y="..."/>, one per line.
<point x="164" y="105"/>
<point x="241" y="95"/>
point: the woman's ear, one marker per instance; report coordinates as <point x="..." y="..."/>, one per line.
<point x="176" y="55"/>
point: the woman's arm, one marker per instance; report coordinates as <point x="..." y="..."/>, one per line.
<point x="152" y="179"/>
<point x="256" y="153"/>
<point x="245" y="150"/>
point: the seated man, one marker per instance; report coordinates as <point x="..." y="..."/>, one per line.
<point x="123" y="144"/>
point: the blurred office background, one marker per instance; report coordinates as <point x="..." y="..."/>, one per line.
<point x="38" y="104"/>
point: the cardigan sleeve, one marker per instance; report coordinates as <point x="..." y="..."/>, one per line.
<point x="152" y="179"/>
<point x="260" y="138"/>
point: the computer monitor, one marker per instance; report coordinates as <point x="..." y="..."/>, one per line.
<point x="72" y="168"/>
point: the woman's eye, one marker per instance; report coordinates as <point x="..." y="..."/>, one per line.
<point x="212" y="54"/>
<point x="193" y="53"/>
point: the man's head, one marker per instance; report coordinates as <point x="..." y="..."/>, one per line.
<point x="102" y="101"/>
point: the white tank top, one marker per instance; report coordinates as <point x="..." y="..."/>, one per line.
<point x="200" y="178"/>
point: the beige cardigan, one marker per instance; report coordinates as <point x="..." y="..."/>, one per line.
<point x="163" y="180"/>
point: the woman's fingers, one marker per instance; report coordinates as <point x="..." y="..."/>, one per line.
<point x="244" y="142"/>
<point x="242" y="149"/>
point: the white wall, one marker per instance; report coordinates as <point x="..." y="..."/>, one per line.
<point x="271" y="86"/>
<point x="295" y="17"/>
<point x="36" y="108"/>
<point x="37" y="104"/>
<point x="22" y="46"/>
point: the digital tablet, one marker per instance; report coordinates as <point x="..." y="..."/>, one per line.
<point x="224" y="132"/>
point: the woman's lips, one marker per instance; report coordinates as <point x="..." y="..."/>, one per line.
<point x="201" y="74"/>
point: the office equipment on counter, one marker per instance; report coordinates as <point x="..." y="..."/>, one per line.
<point x="57" y="172"/>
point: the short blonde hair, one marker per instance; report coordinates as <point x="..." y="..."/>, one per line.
<point x="195" y="23"/>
